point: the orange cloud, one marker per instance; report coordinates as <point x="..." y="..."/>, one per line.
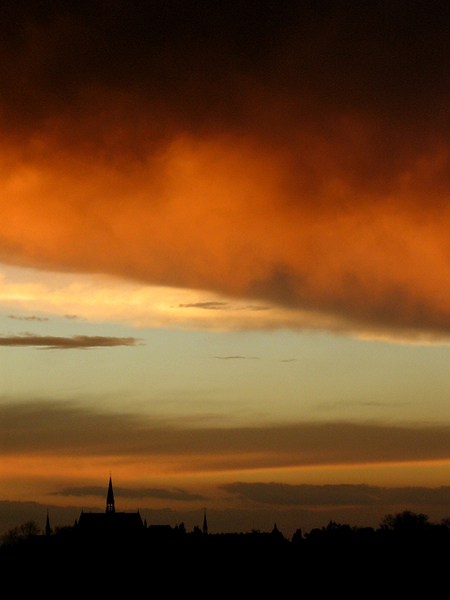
<point x="215" y="215"/>
<point x="306" y="171"/>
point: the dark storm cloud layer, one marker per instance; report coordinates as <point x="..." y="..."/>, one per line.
<point x="195" y="60"/>
<point x="48" y="428"/>
<point x="296" y="152"/>
<point x="50" y="342"/>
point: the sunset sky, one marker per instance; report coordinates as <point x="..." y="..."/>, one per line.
<point x="225" y="260"/>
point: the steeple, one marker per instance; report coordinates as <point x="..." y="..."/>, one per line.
<point x="48" y="529"/>
<point x="205" y="524"/>
<point x="110" y="498"/>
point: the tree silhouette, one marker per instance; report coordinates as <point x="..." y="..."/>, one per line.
<point x="297" y="537"/>
<point x="405" y="523"/>
<point x="23" y="532"/>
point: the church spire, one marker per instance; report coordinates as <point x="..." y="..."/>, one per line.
<point x="48" y="529"/>
<point x="205" y="524"/>
<point x="110" y="498"/>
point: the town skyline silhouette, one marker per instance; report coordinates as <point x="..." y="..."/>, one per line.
<point x="397" y="553"/>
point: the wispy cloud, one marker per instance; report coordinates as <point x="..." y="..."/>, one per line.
<point x="237" y="357"/>
<point x="66" y="343"/>
<point x="28" y="318"/>
<point x="206" y="305"/>
<point x="330" y="406"/>
<point x="219" y="305"/>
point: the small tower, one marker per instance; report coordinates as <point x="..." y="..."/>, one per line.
<point x="48" y="529"/>
<point x="205" y="524"/>
<point x="110" y="498"/>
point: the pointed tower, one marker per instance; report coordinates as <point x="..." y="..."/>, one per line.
<point x="110" y="498"/>
<point x="205" y="524"/>
<point x="48" y="529"/>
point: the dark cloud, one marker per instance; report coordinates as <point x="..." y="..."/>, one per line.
<point x="338" y="495"/>
<point x="200" y="58"/>
<point x="59" y="428"/>
<point x="132" y="493"/>
<point x="50" y="342"/>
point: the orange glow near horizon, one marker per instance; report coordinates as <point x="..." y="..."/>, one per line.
<point x="18" y="471"/>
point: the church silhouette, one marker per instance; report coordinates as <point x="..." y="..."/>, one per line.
<point x="110" y="524"/>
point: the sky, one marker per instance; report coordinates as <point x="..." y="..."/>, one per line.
<point x="225" y="260"/>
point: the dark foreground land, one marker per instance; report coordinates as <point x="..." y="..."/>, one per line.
<point x="363" y="562"/>
<point x="399" y="558"/>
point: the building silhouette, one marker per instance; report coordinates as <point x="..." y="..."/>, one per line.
<point x="110" y="505"/>
<point x="110" y="524"/>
